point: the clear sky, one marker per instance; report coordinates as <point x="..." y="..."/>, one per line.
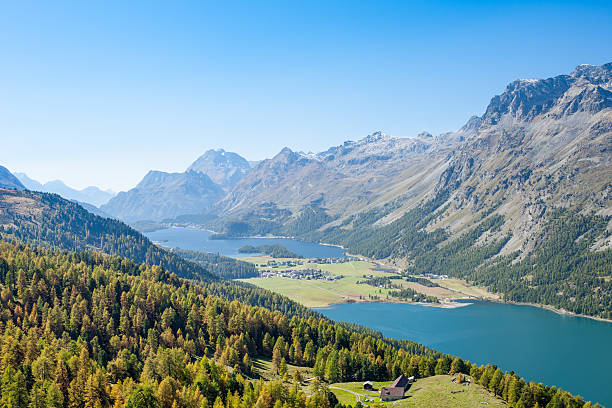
<point x="98" y="93"/>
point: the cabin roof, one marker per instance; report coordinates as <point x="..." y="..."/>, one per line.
<point x="401" y="381"/>
<point x="392" y="391"/>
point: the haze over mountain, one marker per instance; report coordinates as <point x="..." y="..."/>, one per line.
<point x="191" y="193"/>
<point x="224" y="168"/>
<point x="165" y="195"/>
<point x="90" y="195"/>
<point x="8" y="180"/>
<point x="541" y="144"/>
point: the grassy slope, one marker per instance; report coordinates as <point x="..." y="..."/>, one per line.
<point x="432" y="392"/>
<point x="462" y="287"/>
<point x="264" y="368"/>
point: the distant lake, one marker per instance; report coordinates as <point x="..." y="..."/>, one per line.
<point x="566" y="351"/>
<point x="195" y="239"/>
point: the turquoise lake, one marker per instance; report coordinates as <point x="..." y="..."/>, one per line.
<point x="566" y="351"/>
<point x="195" y="239"/>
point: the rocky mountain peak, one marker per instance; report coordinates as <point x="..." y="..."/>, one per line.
<point x="524" y="99"/>
<point x="425" y="135"/>
<point x="224" y="168"/>
<point x="376" y="137"/>
<point x="598" y="75"/>
<point x="287" y="156"/>
<point x="161" y="195"/>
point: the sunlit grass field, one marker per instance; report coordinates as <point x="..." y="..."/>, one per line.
<point x="432" y="392"/>
<point x="321" y="293"/>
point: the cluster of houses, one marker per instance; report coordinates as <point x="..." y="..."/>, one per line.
<point x="434" y="276"/>
<point x="394" y="392"/>
<point x="301" y="274"/>
<point x="283" y="264"/>
<point x="275" y="263"/>
<point x="334" y="260"/>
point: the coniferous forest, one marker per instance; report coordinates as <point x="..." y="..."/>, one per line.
<point x="87" y="329"/>
<point x="92" y="330"/>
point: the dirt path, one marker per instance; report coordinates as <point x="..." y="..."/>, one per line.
<point x="357" y="396"/>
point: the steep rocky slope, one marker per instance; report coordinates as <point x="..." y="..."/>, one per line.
<point x="224" y="168"/>
<point x="343" y="180"/>
<point x="541" y="144"/>
<point x="165" y="195"/>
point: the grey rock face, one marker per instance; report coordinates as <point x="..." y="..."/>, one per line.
<point x="541" y="144"/>
<point x="165" y="195"/>
<point x="224" y="168"/>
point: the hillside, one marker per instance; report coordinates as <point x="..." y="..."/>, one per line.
<point x="161" y="195"/>
<point x="51" y="221"/>
<point x="87" y="329"/>
<point x="47" y="219"/>
<point x="518" y="200"/>
<point x="8" y="180"/>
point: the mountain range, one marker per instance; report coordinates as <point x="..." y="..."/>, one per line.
<point x="541" y="144"/>
<point x="89" y="195"/>
<point x="509" y="201"/>
<point x="162" y="195"/>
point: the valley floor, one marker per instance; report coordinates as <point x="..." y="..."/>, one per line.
<point x="322" y="293"/>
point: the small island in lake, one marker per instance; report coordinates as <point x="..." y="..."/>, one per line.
<point x="275" y="251"/>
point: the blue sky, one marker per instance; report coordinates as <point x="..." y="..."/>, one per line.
<point x="99" y="93"/>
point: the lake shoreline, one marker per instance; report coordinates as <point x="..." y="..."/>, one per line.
<point x="441" y="305"/>
<point x="550" y="308"/>
<point x="449" y="305"/>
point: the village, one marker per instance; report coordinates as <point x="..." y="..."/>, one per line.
<point x="289" y="268"/>
<point x="291" y="263"/>
<point x="300" y="274"/>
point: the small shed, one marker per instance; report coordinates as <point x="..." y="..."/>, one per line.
<point x="368" y="385"/>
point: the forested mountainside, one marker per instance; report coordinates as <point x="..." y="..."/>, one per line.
<point x="92" y="330"/>
<point x="8" y="180"/>
<point x="223" y="266"/>
<point x="49" y="220"/>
